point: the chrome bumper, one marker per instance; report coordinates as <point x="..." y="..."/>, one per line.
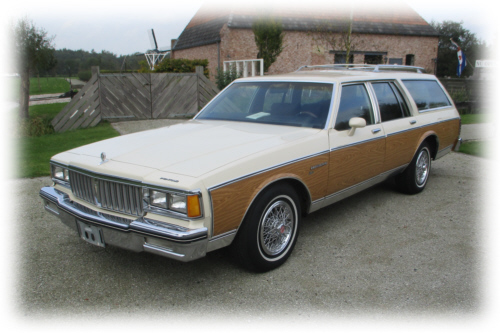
<point x="458" y="144"/>
<point x="137" y="235"/>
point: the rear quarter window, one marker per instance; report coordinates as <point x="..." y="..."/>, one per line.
<point x="427" y="94"/>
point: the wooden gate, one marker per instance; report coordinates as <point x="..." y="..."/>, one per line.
<point x="125" y="96"/>
<point x="136" y="96"/>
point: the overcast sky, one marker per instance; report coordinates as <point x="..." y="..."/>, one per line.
<point x="121" y="26"/>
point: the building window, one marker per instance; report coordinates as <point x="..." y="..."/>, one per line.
<point x="410" y="60"/>
<point x="341" y="57"/>
<point x="395" y="61"/>
<point x="373" y="59"/>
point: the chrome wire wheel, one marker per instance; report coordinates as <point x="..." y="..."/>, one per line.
<point x="422" y="167"/>
<point x="277" y="227"/>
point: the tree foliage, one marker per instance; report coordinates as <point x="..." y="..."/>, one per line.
<point x="447" y="61"/>
<point x="33" y="51"/>
<point x="269" y="39"/>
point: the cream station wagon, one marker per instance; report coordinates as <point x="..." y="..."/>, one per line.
<point x="264" y="153"/>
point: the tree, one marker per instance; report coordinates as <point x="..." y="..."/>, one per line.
<point x="447" y="61"/>
<point x="269" y="39"/>
<point x="336" y="35"/>
<point x="33" y="50"/>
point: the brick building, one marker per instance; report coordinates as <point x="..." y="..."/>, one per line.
<point x="387" y="34"/>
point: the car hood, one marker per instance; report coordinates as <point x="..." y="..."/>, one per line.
<point x="195" y="147"/>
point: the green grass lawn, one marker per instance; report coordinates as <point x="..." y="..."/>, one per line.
<point x="46" y="110"/>
<point x="34" y="152"/>
<point x="475" y="118"/>
<point x="476" y="148"/>
<point x="51" y="85"/>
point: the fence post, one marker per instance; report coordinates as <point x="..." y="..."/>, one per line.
<point x="199" y="73"/>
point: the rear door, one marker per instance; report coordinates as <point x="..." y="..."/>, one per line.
<point x="398" y="123"/>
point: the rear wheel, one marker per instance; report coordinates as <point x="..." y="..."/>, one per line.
<point x="414" y="178"/>
<point x="270" y="229"/>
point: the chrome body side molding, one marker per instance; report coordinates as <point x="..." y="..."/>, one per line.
<point x="340" y="195"/>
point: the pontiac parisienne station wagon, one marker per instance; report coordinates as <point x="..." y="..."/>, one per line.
<point x="264" y="153"/>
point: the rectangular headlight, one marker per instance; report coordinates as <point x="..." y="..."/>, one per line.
<point x="177" y="203"/>
<point x="158" y="199"/>
<point x="60" y="174"/>
<point x="163" y="202"/>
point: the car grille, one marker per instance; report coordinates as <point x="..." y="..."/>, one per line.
<point x="111" y="195"/>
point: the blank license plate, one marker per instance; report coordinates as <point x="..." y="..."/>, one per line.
<point x="91" y="234"/>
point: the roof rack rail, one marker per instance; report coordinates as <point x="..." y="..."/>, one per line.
<point x="365" y="67"/>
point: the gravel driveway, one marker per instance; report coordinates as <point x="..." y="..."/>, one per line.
<point x="378" y="253"/>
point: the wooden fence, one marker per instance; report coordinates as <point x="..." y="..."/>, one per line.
<point x="136" y="96"/>
<point x="469" y="95"/>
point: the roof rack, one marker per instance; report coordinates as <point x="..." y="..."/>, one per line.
<point x="365" y="67"/>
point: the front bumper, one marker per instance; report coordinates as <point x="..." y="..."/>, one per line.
<point x="138" y="235"/>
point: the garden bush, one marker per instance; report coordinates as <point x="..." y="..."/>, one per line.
<point x="84" y="75"/>
<point x="181" y="66"/>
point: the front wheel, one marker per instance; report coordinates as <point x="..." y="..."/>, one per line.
<point x="269" y="232"/>
<point x="415" y="176"/>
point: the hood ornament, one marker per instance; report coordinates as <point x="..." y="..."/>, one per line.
<point x="103" y="158"/>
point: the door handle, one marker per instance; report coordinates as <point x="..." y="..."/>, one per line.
<point x="376" y="130"/>
<point x="413" y="122"/>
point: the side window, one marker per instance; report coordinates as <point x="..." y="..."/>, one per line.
<point x="354" y="102"/>
<point x="427" y="94"/>
<point x="391" y="104"/>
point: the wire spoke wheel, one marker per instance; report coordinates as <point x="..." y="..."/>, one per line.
<point x="422" y="167"/>
<point x="269" y="232"/>
<point x="277" y="227"/>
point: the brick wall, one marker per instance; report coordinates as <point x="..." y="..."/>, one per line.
<point x="301" y="49"/>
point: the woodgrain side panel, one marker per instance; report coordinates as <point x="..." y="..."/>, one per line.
<point x="352" y="165"/>
<point x="231" y="202"/>
<point x="401" y="147"/>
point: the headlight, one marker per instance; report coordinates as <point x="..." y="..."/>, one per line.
<point x="164" y="202"/>
<point x="60" y="174"/>
<point x="177" y="203"/>
<point x="158" y="199"/>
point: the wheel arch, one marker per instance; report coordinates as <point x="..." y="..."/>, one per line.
<point x="432" y="139"/>
<point x="299" y="187"/>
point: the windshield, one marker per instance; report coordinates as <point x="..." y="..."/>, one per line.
<point x="280" y="103"/>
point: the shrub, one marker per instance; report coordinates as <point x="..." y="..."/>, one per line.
<point x="181" y="66"/>
<point x="84" y="75"/>
<point x="224" y="78"/>
<point x="36" y="126"/>
<point x="459" y="95"/>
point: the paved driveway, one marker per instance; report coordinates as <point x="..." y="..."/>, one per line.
<point x="377" y="253"/>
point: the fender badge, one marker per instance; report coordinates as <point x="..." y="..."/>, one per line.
<point x="103" y="158"/>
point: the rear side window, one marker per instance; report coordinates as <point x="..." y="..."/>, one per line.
<point x="391" y="104"/>
<point x="427" y="94"/>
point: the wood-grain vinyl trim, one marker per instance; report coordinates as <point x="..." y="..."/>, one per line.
<point x="231" y="202"/>
<point x="402" y="146"/>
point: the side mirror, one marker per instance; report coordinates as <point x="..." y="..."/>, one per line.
<point x="354" y="123"/>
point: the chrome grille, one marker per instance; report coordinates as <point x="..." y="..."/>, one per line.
<point x="111" y="195"/>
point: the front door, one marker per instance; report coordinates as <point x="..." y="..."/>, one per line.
<point x="355" y="157"/>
